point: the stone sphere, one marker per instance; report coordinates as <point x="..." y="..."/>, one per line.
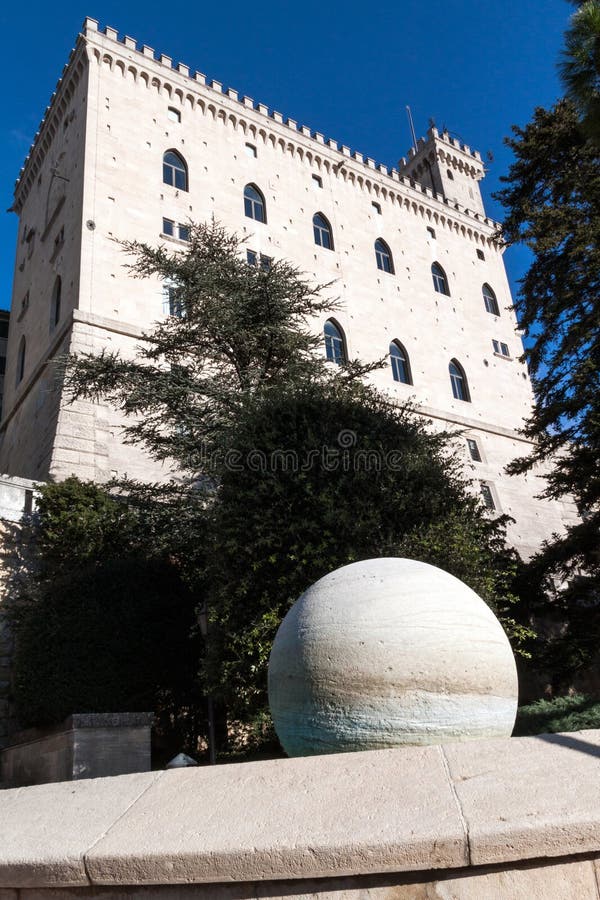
<point x="388" y="652"/>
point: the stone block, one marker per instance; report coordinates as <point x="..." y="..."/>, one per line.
<point x="84" y="746"/>
<point x="322" y="816"/>
<point x="46" y="830"/>
<point x="529" y="797"/>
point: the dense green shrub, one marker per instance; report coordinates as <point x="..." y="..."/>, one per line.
<point x="111" y="638"/>
<point x="106" y="622"/>
<point x="560" y="714"/>
<point x="323" y="478"/>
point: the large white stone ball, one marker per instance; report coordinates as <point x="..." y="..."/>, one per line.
<point x="387" y="652"/>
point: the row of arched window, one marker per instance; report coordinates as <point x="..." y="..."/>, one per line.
<point x="175" y="173"/>
<point x="335" y="350"/>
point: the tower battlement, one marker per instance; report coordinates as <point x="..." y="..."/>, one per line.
<point x="409" y="174"/>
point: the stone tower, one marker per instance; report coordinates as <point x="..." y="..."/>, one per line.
<point x="410" y="252"/>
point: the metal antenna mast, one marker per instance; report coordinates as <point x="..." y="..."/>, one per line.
<point x="412" y="128"/>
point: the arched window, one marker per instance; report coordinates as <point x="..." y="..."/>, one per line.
<point x="400" y="363"/>
<point x="254" y="203"/>
<point x="383" y="255"/>
<point x="21" y="360"/>
<point x="489" y="299"/>
<point x="440" y="282"/>
<point x="55" y="303"/>
<point x="322" y="231"/>
<point x="175" y="170"/>
<point x="458" y="380"/>
<point x="335" y="343"/>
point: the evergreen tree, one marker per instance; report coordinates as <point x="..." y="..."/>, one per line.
<point x="290" y="465"/>
<point x="553" y="203"/>
<point x="580" y="65"/>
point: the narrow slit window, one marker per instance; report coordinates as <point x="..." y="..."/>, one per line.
<point x="474" y="451"/>
<point x="487" y="496"/>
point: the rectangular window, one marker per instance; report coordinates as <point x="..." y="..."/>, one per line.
<point x="265" y="262"/>
<point x="251" y="150"/>
<point x="501" y="349"/>
<point x="474" y="449"/>
<point x="317" y="181"/>
<point x="251" y="257"/>
<point x="172" y="303"/>
<point x="480" y="254"/>
<point x="486" y="495"/>
<point x="184" y="232"/>
<point x="168" y="227"/>
<point x="173" y="114"/>
<point x="431" y="232"/>
<point x="376" y="206"/>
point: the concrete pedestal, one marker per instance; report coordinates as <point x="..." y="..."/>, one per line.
<point x="88" y="745"/>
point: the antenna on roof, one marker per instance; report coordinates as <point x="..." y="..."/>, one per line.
<point x="412" y="129"/>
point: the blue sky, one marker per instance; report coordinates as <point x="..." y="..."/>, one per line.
<point x="344" y="68"/>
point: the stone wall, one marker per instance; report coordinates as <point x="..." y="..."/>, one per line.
<point x="509" y="819"/>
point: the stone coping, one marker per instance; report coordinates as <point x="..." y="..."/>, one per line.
<point x="407" y="809"/>
<point x="83" y="720"/>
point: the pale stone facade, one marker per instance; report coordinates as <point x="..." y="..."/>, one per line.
<point x="95" y="174"/>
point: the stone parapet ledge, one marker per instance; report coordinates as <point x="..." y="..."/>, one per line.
<point x="408" y="810"/>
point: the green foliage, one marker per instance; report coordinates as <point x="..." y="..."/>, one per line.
<point x="324" y="478"/>
<point x="560" y="714"/>
<point x="243" y="329"/>
<point x="107" y="623"/>
<point x="580" y="65"/>
<point x="111" y="638"/>
<point x="80" y="523"/>
<point x="553" y="206"/>
<point x="293" y="466"/>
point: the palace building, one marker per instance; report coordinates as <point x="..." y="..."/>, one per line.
<point x="134" y="147"/>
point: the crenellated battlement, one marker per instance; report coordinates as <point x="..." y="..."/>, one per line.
<point x="348" y="165"/>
